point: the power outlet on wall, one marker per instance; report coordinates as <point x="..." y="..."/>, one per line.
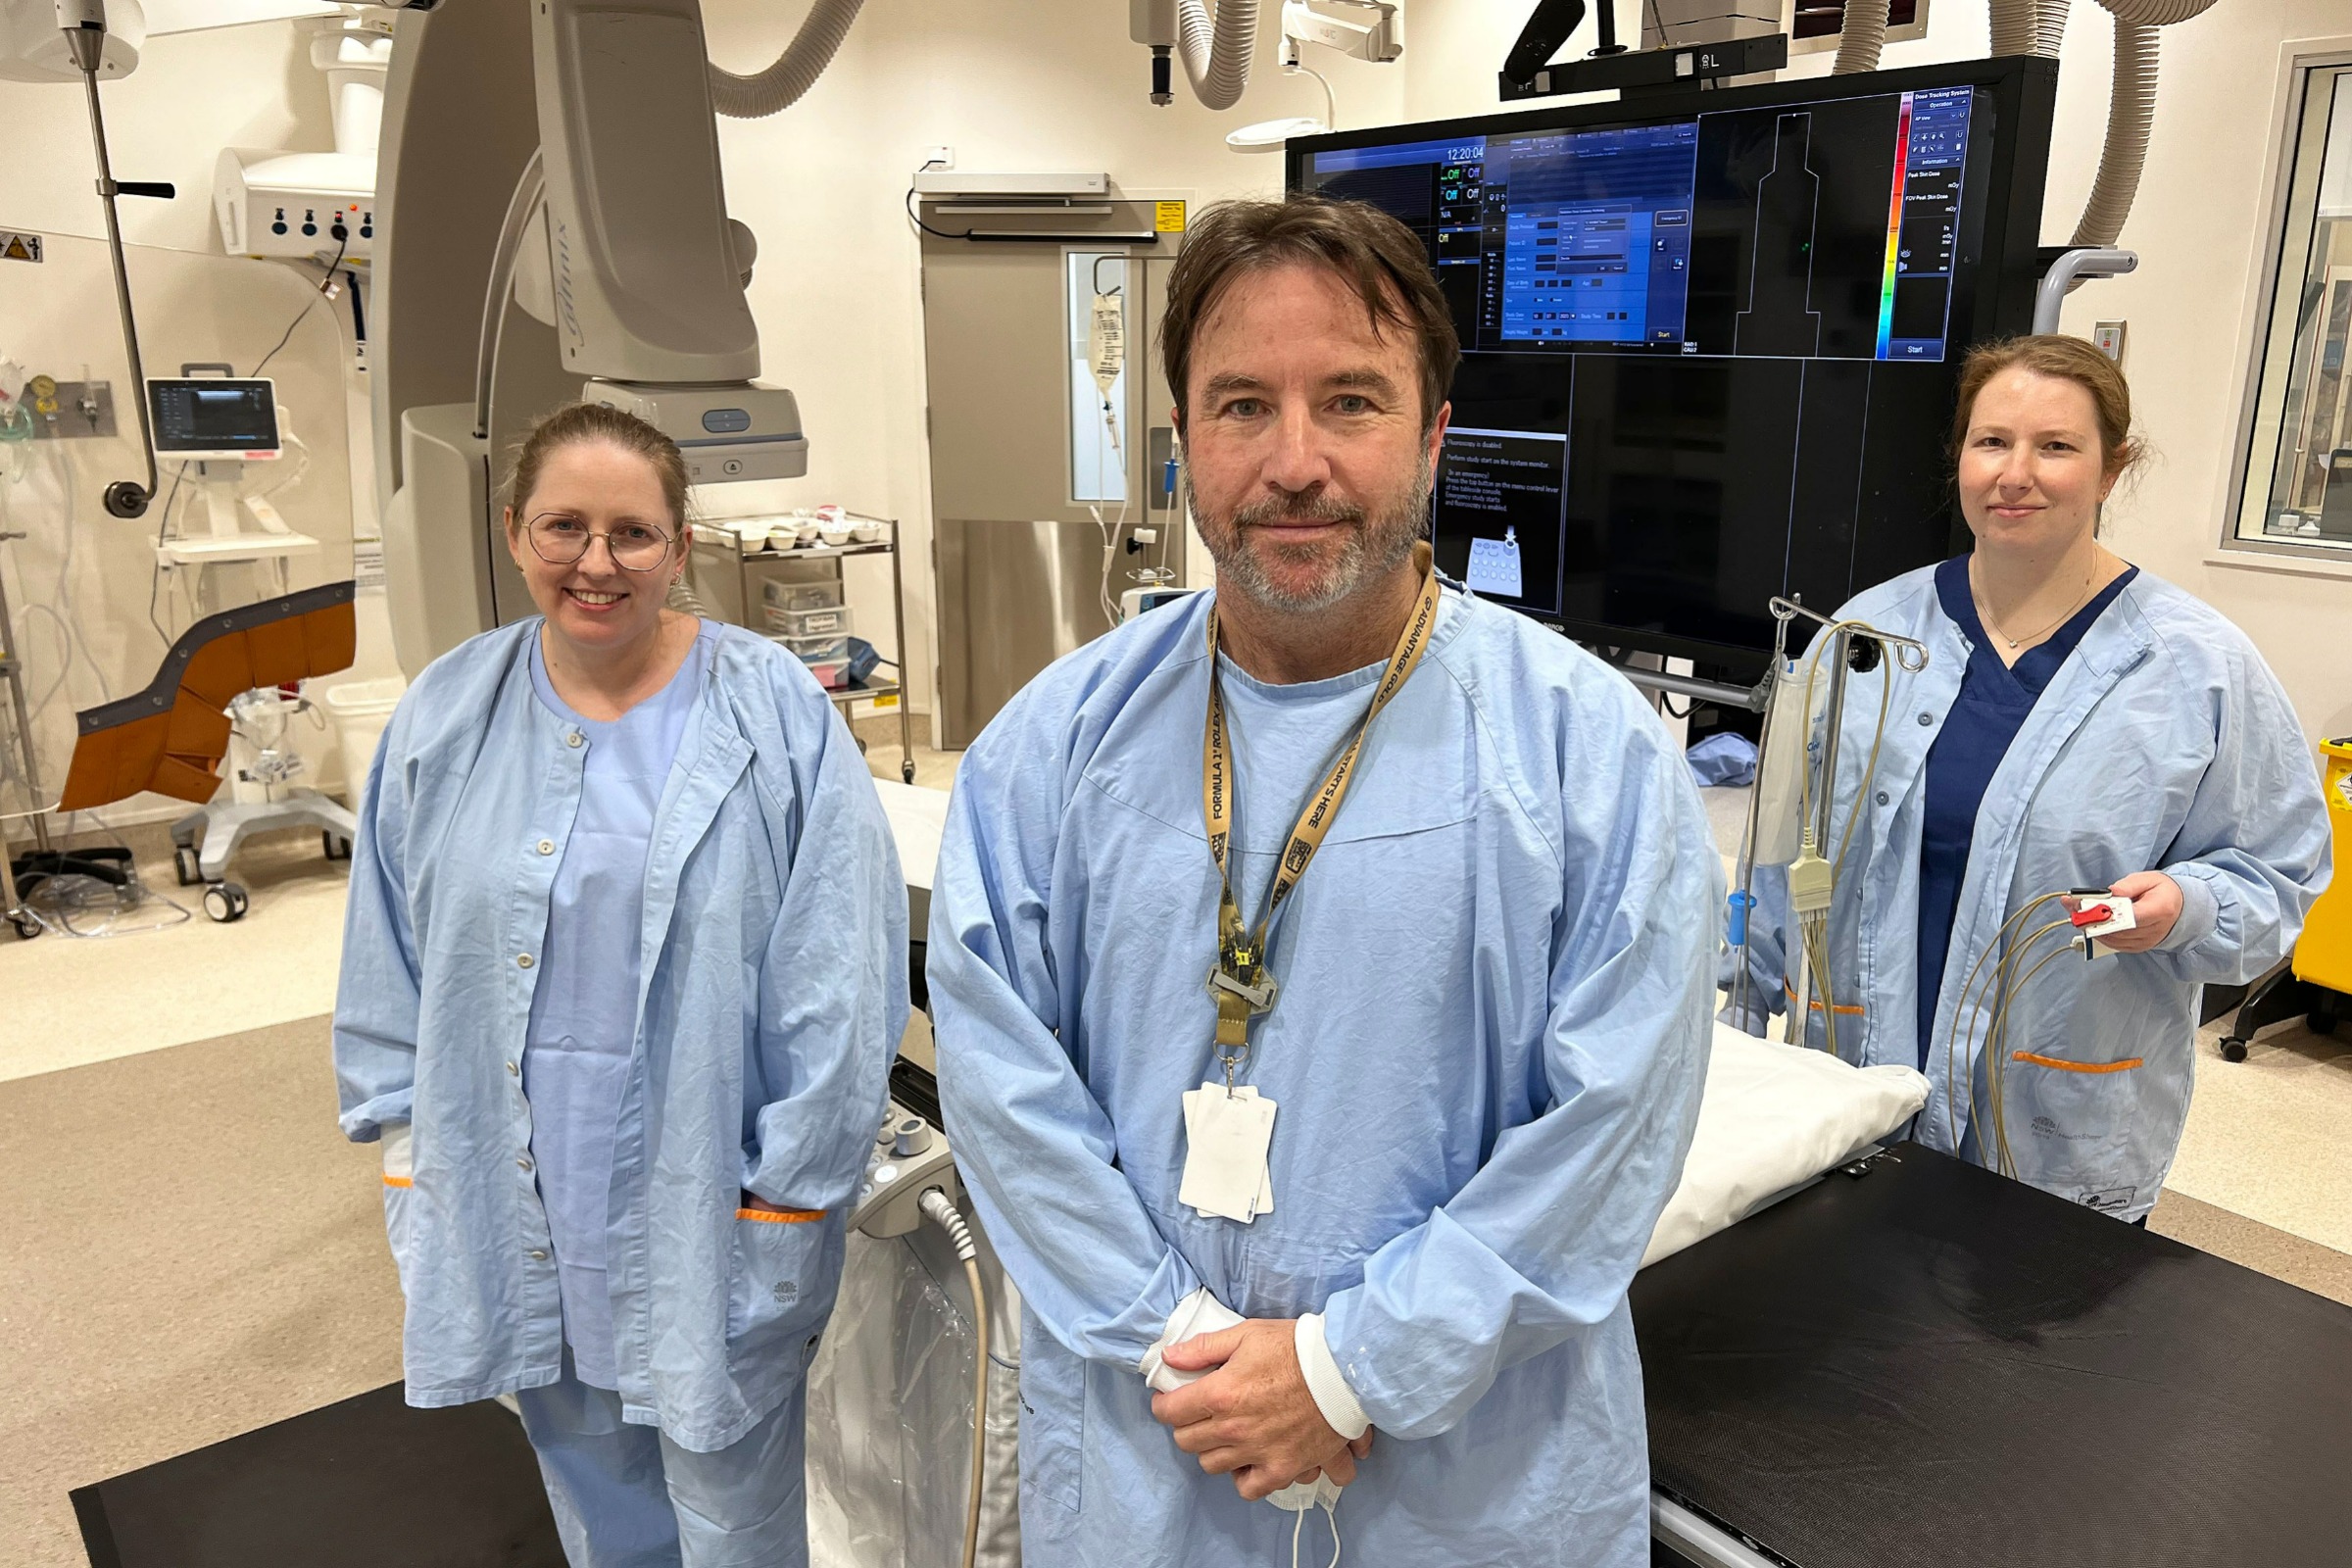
<point x="939" y="158"/>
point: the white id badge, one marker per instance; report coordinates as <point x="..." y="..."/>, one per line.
<point x="1265" y="1185"/>
<point x="1226" y="1138"/>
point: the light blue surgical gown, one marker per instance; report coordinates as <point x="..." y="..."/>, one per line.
<point x="2162" y="743"/>
<point x="1487" y="1055"/>
<point x="770" y="995"/>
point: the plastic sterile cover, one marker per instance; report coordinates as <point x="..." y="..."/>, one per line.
<point x="890" y="1422"/>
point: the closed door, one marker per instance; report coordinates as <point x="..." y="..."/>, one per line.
<point x="1048" y="450"/>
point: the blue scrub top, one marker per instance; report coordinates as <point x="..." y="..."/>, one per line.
<point x="1993" y="702"/>
<point x="583" y="1026"/>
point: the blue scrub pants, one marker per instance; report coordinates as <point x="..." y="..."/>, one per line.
<point x="626" y="1497"/>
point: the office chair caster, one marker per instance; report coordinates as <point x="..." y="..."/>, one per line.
<point x="2233" y="1050"/>
<point x="224" y="902"/>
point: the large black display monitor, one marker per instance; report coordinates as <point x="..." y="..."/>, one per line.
<point x="1710" y="340"/>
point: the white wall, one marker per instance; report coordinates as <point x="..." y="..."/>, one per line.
<point x="2198" y="226"/>
<point x="1055" y="84"/>
<point x="1011" y="86"/>
<point x="193" y="94"/>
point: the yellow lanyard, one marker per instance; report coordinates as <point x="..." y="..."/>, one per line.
<point x="1240" y="981"/>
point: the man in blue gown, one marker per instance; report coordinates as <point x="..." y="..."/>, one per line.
<point x="1321" y="972"/>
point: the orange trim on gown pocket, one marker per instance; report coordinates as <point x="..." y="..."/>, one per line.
<point x="788" y="1217"/>
<point x="398" y="1181"/>
<point x="1789" y="991"/>
<point x="2124" y="1065"/>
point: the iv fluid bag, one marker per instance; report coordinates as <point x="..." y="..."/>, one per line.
<point x="1106" y="342"/>
<point x="1789" y="749"/>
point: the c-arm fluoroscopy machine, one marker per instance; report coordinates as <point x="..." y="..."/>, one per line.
<point x="566" y="243"/>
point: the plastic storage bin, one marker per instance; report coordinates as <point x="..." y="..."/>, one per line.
<point x="818" y="650"/>
<point x="786" y="595"/>
<point x="824" y="620"/>
<point x="360" y="709"/>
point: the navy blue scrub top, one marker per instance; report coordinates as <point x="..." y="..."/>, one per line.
<point x="1993" y="702"/>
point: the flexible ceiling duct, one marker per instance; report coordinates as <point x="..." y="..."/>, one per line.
<point x="1216" y="46"/>
<point x="804" y="59"/>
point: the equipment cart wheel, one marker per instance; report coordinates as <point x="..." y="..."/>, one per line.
<point x="338" y="848"/>
<point x="185" y="865"/>
<point x="907" y="770"/>
<point x="2233" y="1048"/>
<point x="28" y="927"/>
<point x="224" y="902"/>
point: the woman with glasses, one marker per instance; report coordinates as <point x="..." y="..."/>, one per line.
<point x="623" y="968"/>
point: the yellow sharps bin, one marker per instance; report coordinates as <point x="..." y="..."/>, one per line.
<point x="2325" y="954"/>
<point x="2317" y="981"/>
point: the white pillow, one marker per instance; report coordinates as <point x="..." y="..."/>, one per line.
<point x="1774" y="1115"/>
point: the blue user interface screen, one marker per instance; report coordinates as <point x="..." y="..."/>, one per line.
<point x="213" y="416"/>
<point x="1707" y="358"/>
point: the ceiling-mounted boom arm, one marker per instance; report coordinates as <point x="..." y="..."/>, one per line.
<point x="83" y="22"/>
<point x="1547" y="27"/>
<point x="1361" y="30"/>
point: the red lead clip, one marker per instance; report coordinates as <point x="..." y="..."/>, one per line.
<point x="2092" y="915"/>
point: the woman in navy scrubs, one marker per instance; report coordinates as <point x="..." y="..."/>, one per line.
<point x="2080" y="725"/>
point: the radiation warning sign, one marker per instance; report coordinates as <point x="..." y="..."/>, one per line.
<point x="15" y="247"/>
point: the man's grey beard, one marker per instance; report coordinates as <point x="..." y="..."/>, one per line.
<point x="1377" y="547"/>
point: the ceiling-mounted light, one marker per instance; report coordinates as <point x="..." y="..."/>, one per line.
<point x="1268" y="136"/>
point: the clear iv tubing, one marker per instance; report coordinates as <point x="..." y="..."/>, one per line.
<point x="1110" y="530"/>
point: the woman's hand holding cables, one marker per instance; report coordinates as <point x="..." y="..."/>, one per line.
<point x="2155" y="907"/>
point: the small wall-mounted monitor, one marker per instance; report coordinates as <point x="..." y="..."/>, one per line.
<point x="1711" y="339"/>
<point x="213" y="419"/>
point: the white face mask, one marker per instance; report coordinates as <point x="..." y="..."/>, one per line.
<point x="1302" y="1497"/>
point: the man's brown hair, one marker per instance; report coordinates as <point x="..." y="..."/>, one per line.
<point x="1377" y="256"/>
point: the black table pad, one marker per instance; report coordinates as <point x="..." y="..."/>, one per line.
<point x="1931" y="1364"/>
<point x="365" y="1483"/>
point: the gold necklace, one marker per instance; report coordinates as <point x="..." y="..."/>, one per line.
<point x="2016" y="643"/>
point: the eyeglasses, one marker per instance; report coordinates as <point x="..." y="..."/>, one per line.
<point x="561" y="541"/>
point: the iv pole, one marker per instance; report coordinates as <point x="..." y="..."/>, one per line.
<point x="1911" y="656"/>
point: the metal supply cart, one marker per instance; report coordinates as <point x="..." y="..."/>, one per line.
<point x="731" y="578"/>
